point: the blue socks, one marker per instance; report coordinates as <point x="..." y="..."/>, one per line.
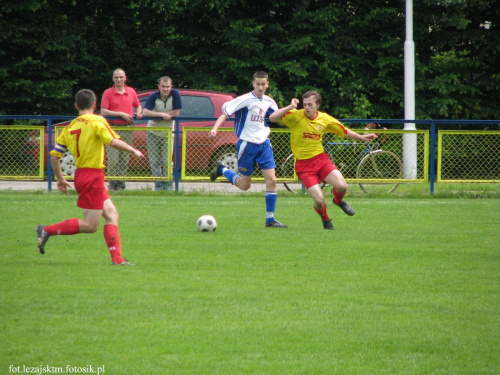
<point x="271" y="198"/>
<point x="230" y="175"/>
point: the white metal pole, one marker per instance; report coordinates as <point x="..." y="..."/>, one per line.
<point x="409" y="140"/>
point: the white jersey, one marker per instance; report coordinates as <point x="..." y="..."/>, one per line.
<point x="250" y="112"/>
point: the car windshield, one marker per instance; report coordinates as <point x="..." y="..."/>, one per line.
<point x="192" y="106"/>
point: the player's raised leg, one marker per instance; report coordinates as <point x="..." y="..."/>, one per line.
<point x="221" y="170"/>
<point x="69" y="227"/>
<point x="339" y="190"/>
<point x="64" y="228"/>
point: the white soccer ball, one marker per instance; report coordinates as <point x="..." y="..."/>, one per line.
<point x="206" y="223"/>
<point x="67" y="162"/>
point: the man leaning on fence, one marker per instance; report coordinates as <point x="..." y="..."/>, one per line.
<point x="120" y="101"/>
<point x="165" y="103"/>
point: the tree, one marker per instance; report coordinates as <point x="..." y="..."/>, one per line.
<point x="38" y="53"/>
<point x="458" y="48"/>
<point x="352" y="52"/>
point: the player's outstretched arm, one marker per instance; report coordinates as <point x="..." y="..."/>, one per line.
<point x="361" y="137"/>
<point x="278" y="115"/>
<point x="123" y="146"/>
<point x="213" y="133"/>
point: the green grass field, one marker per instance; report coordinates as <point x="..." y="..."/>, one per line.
<point x="409" y="285"/>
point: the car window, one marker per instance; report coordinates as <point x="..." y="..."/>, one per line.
<point x="197" y="106"/>
<point x="192" y="106"/>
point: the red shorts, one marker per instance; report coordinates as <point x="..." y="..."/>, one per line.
<point x="89" y="183"/>
<point x="313" y="171"/>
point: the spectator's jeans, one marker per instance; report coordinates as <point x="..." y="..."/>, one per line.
<point x="158" y="154"/>
<point x="117" y="164"/>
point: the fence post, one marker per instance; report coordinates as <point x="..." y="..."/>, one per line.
<point x="47" y="157"/>
<point x="432" y="173"/>
<point x="176" y="153"/>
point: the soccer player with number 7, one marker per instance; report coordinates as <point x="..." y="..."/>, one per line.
<point x="85" y="137"/>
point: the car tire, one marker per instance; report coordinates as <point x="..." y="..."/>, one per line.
<point x="227" y="156"/>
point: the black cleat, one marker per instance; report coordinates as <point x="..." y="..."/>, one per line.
<point x="275" y="224"/>
<point x="327" y="224"/>
<point x="345" y="207"/>
<point x="43" y="237"/>
<point x="216" y="172"/>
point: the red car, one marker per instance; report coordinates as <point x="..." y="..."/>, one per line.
<point x="201" y="151"/>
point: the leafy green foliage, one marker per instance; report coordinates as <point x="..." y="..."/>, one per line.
<point x="458" y="49"/>
<point x="352" y="52"/>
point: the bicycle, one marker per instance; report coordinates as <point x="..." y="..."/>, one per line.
<point x="382" y="167"/>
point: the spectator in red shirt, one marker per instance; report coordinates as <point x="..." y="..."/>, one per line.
<point x="120" y="101"/>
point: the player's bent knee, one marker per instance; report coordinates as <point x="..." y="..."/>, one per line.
<point x="113" y="216"/>
<point x="319" y="201"/>
<point x="342" y="188"/>
<point x="271" y="180"/>
<point x="86" y="227"/>
<point x="110" y="213"/>
<point x="245" y="187"/>
<point x="243" y="183"/>
<point x="94" y="229"/>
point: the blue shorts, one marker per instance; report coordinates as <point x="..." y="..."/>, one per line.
<point x="250" y="155"/>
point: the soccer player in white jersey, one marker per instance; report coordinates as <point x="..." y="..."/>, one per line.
<point x="253" y="146"/>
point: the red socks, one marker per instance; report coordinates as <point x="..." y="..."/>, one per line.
<point x="337" y="197"/>
<point x="64" y="228"/>
<point x="322" y="212"/>
<point x="72" y="226"/>
<point x="112" y="238"/>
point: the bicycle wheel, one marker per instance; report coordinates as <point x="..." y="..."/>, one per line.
<point x="380" y="165"/>
<point x="288" y="172"/>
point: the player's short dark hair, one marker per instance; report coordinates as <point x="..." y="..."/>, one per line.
<point x="85" y="99"/>
<point x="317" y="96"/>
<point x="260" y="74"/>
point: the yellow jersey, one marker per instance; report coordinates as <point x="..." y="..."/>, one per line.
<point x="307" y="134"/>
<point x="85" y="137"/>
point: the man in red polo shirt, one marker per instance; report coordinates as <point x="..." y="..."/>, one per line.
<point x="120" y="101"/>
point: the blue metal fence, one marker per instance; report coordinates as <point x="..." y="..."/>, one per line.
<point x="433" y="124"/>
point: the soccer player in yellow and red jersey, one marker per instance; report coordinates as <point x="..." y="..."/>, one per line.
<point x="312" y="164"/>
<point x="85" y="137"/>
